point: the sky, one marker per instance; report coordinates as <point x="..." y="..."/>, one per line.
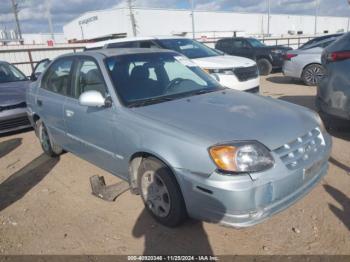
<point x="33" y="13"/>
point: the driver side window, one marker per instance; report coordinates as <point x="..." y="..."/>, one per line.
<point x="88" y="77"/>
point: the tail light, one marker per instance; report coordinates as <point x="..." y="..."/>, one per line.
<point x="338" y="56"/>
<point x="289" y="56"/>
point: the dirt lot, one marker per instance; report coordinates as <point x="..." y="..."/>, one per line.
<point x="46" y="207"/>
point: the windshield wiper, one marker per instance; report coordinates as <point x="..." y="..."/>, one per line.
<point x="150" y="101"/>
<point x="203" y="91"/>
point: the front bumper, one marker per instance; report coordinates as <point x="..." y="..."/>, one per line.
<point x="13" y="120"/>
<point x="240" y="201"/>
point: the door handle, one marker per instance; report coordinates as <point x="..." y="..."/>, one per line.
<point x="69" y="113"/>
<point x="39" y="102"/>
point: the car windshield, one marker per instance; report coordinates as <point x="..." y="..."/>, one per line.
<point x="9" y="73"/>
<point x="255" y="42"/>
<point x="190" y="48"/>
<point x="142" y="79"/>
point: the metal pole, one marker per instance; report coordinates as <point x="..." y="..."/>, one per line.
<point x="82" y="32"/>
<point x="49" y="18"/>
<point x="15" y="12"/>
<point x="193" y="24"/>
<point x="268" y="17"/>
<point x="132" y="17"/>
<point x="317" y="4"/>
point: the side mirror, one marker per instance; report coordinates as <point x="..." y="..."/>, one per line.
<point x="94" y="99"/>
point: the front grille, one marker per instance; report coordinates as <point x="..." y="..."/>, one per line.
<point x="246" y="73"/>
<point x="13" y="123"/>
<point x="10" y="107"/>
<point x="297" y="153"/>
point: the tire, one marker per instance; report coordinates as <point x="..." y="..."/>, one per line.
<point x="312" y="74"/>
<point x="49" y="147"/>
<point x="265" y="67"/>
<point x="161" y="193"/>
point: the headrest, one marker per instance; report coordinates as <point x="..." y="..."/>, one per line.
<point x="93" y="77"/>
<point x="139" y="72"/>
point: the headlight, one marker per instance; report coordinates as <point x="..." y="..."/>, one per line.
<point x="242" y="157"/>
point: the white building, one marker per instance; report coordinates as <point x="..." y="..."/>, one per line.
<point x="117" y="21"/>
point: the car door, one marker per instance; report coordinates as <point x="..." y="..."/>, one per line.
<point x="90" y="129"/>
<point x="39" y="69"/>
<point x="241" y="48"/>
<point x="225" y="45"/>
<point x="51" y="95"/>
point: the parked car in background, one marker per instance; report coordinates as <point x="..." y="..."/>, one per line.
<point x="266" y="57"/>
<point x="316" y="40"/>
<point x="305" y="63"/>
<point x="231" y="71"/>
<point x="333" y="92"/>
<point x="13" y="85"/>
<point x="188" y="145"/>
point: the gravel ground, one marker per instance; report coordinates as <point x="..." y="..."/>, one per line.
<point x="46" y="207"/>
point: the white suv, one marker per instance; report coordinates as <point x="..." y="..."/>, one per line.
<point x="231" y="71"/>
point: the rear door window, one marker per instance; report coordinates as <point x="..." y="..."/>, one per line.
<point x="123" y="45"/>
<point x="239" y="43"/>
<point x="147" y="44"/>
<point x="57" y="77"/>
<point x="225" y="43"/>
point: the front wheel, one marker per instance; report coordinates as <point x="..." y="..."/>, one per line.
<point x="160" y="193"/>
<point x="265" y="67"/>
<point x="47" y="144"/>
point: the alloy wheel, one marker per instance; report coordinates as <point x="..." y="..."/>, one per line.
<point x="155" y="194"/>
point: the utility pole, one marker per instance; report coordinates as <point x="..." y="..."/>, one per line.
<point x="317" y="6"/>
<point x="132" y="17"/>
<point x="348" y="18"/>
<point x="15" y="12"/>
<point x="49" y="18"/>
<point x="193" y="24"/>
<point x="268" y="17"/>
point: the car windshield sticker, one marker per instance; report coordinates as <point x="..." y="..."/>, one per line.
<point x="185" y="61"/>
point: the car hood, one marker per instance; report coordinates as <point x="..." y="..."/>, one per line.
<point x="224" y="61"/>
<point x="13" y="92"/>
<point x="231" y="115"/>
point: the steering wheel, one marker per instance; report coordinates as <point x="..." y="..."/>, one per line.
<point x="173" y="83"/>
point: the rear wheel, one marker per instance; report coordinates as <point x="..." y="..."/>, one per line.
<point x="312" y="74"/>
<point x="264" y="66"/>
<point x="47" y="144"/>
<point x="160" y="193"/>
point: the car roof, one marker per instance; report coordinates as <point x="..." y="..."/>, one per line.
<point x="108" y="52"/>
<point x="129" y="39"/>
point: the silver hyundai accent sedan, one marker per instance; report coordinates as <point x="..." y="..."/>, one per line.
<point x="187" y="145"/>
